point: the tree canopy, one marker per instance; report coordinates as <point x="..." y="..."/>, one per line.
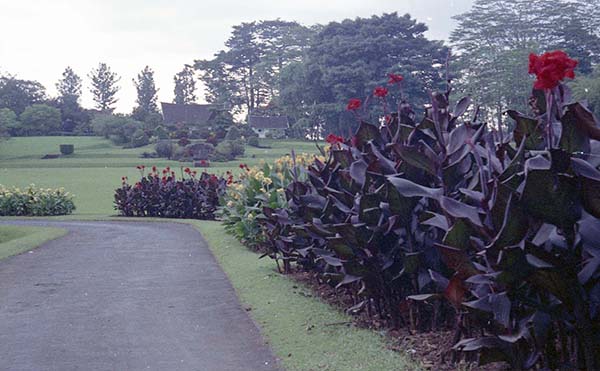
<point x="146" y="95"/>
<point x="185" y="86"/>
<point x="17" y="94"/>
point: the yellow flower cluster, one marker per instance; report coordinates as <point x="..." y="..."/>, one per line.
<point x="32" y="191"/>
<point x="302" y="159"/>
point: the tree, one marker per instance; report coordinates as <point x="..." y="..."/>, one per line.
<point x="17" y="94"/>
<point x="494" y="38"/>
<point x="349" y="59"/>
<point x="69" y="93"/>
<point x="244" y="75"/>
<point x="8" y="122"/>
<point x="104" y="87"/>
<point x="146" y="95"/>
<point x="40" y="119"/>
<point x="185" y="86"/>
<point x="69" y="86"/>
<point x="588" y="88"/>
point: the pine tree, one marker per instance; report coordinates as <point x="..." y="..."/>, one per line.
<point x="146" y="95"/>
<point x="185" y="86"/>
<point x="69" y="86"/>
<point x="104" y="87"/>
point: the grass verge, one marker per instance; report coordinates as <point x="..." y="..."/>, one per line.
<point x="303" y="331"/>
<point x="18" y="239"/>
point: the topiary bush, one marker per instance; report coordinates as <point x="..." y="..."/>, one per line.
<point x="165" y="149"/>
<point x="253" y="141"/>
<point x="161" y="194"/>
<point x="449" y="222"/>
<point x="67" y="149"/>
<point x="34" y="201"/>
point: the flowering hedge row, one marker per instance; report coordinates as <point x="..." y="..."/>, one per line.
<point x="448" y="222"/>
<point x="163" y="195"/>
<point x="33" y="201"/>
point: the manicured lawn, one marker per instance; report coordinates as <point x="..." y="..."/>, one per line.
<point x="95" y="169"/>
<point x="302" y="330"/>
<point x="17" y="239"/>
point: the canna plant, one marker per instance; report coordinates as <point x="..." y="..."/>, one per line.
<point x="445" y="221"/>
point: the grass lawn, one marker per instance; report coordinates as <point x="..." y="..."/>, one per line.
<point x="303" y="331"/>
<point x="95" y="169"/>
<point x="17" y="239"/>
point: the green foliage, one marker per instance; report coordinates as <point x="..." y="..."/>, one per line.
<point x="495" y="37"/>
<point x="233" y="133"/>
<point x="146" y="95"/>
<point x="228" y="150"/>
<point x="67" y="149"/>
<point x="104" y="87"/>
<point x="588" y="88"/>
<point x="139" y="139"/>
<point x="119" y="129"/>
<point x="245" y="74"/>
<point x="165" y="148"/>
<point x="8" y="122"/>
<point x="253" y="141"/>
<point x="161" y="133"/>
<point x="34" y="201"/>
<point x="185" y="86"/>
<point x="40" y="119"/>
<point x="16" y="94"/>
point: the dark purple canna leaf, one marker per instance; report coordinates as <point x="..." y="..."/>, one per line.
<point x="461" y="210"/>
<point x="406" y="188"/>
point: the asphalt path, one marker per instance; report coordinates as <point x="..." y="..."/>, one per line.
<point x="124" y="296"/>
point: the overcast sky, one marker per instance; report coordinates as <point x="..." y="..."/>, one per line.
<point x="39" y="38"/>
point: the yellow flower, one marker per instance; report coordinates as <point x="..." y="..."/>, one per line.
<point x="268" y="181"/>
<point x="250" y="216"/>
<point x="230" y="204"/>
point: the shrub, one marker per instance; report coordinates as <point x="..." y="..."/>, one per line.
<point x="40" y="119"/>
<point x="255" y="188"/>
<point x="253" y="141"/>
<point x="139" y="139"/>
<point x="228" y="150"/>
<point x="194" y="196"/>
<point x="8" y="122"/>
<point x="119" y="129"/>
<point x="34" y="201"/>
<point x="200" y="151"/>
<point x="233" y="133"/>
<point x="447" y="222"/>
<point x="165" y="149"/>
<point x="67" y="149"/>
<point x="161" y="133"/>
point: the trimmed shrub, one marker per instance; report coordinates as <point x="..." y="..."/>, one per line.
<point x="233" y="133"/>
<point x="228" y="150"/>
<point x="67" y="149"/>
<point x="194" y="196"/>
<point x="253" y="141"/>
<point x="165" y="149"/>
<point x="34" y="201"/>
<point x="139" y="139"/>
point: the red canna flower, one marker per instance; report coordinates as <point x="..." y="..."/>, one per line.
<point x="154" y="169"/>
<point x="334" y="139"/>
<point x="164" y="171"/>
<point x="395" y="79"/>
<point x="551" y="68"/>
<point x="194" y="173"/>
<point x="353" y="104"/>
<point x="380" y="92"/>
<point x="187" y="170"/>
<point x="140" y="167"/>
<point x="173" y="174"/>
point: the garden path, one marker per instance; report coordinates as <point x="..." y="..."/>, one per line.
<point x="123" y="296"/>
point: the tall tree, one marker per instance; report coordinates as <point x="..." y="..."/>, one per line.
<point x="243" y="75"/>
<point x="17" y="94"/>
<point x="495" y="37"/>
<point x="69" y="86"/>
<point x="104" y="87"/>
<point x="348" y="59"/>
<point x="185" y="86"/>
<point x="69" y="93"/>
<point x="146" y="95"/>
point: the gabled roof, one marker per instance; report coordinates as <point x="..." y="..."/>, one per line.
<point x="268" y="122"/>
<point x="188" y="113"/>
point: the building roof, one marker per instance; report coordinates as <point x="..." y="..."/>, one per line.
<point x="268" y="122"/>
<point x="188" y="113"/>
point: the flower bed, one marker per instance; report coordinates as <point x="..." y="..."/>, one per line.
<point x="255" y="188"/>
<point x="163" y="195"/>
<point x="445" y="222"/>
<point x="33" y="201"/>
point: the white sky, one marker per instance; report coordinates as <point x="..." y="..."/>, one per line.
<point x="39" y="38"/>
